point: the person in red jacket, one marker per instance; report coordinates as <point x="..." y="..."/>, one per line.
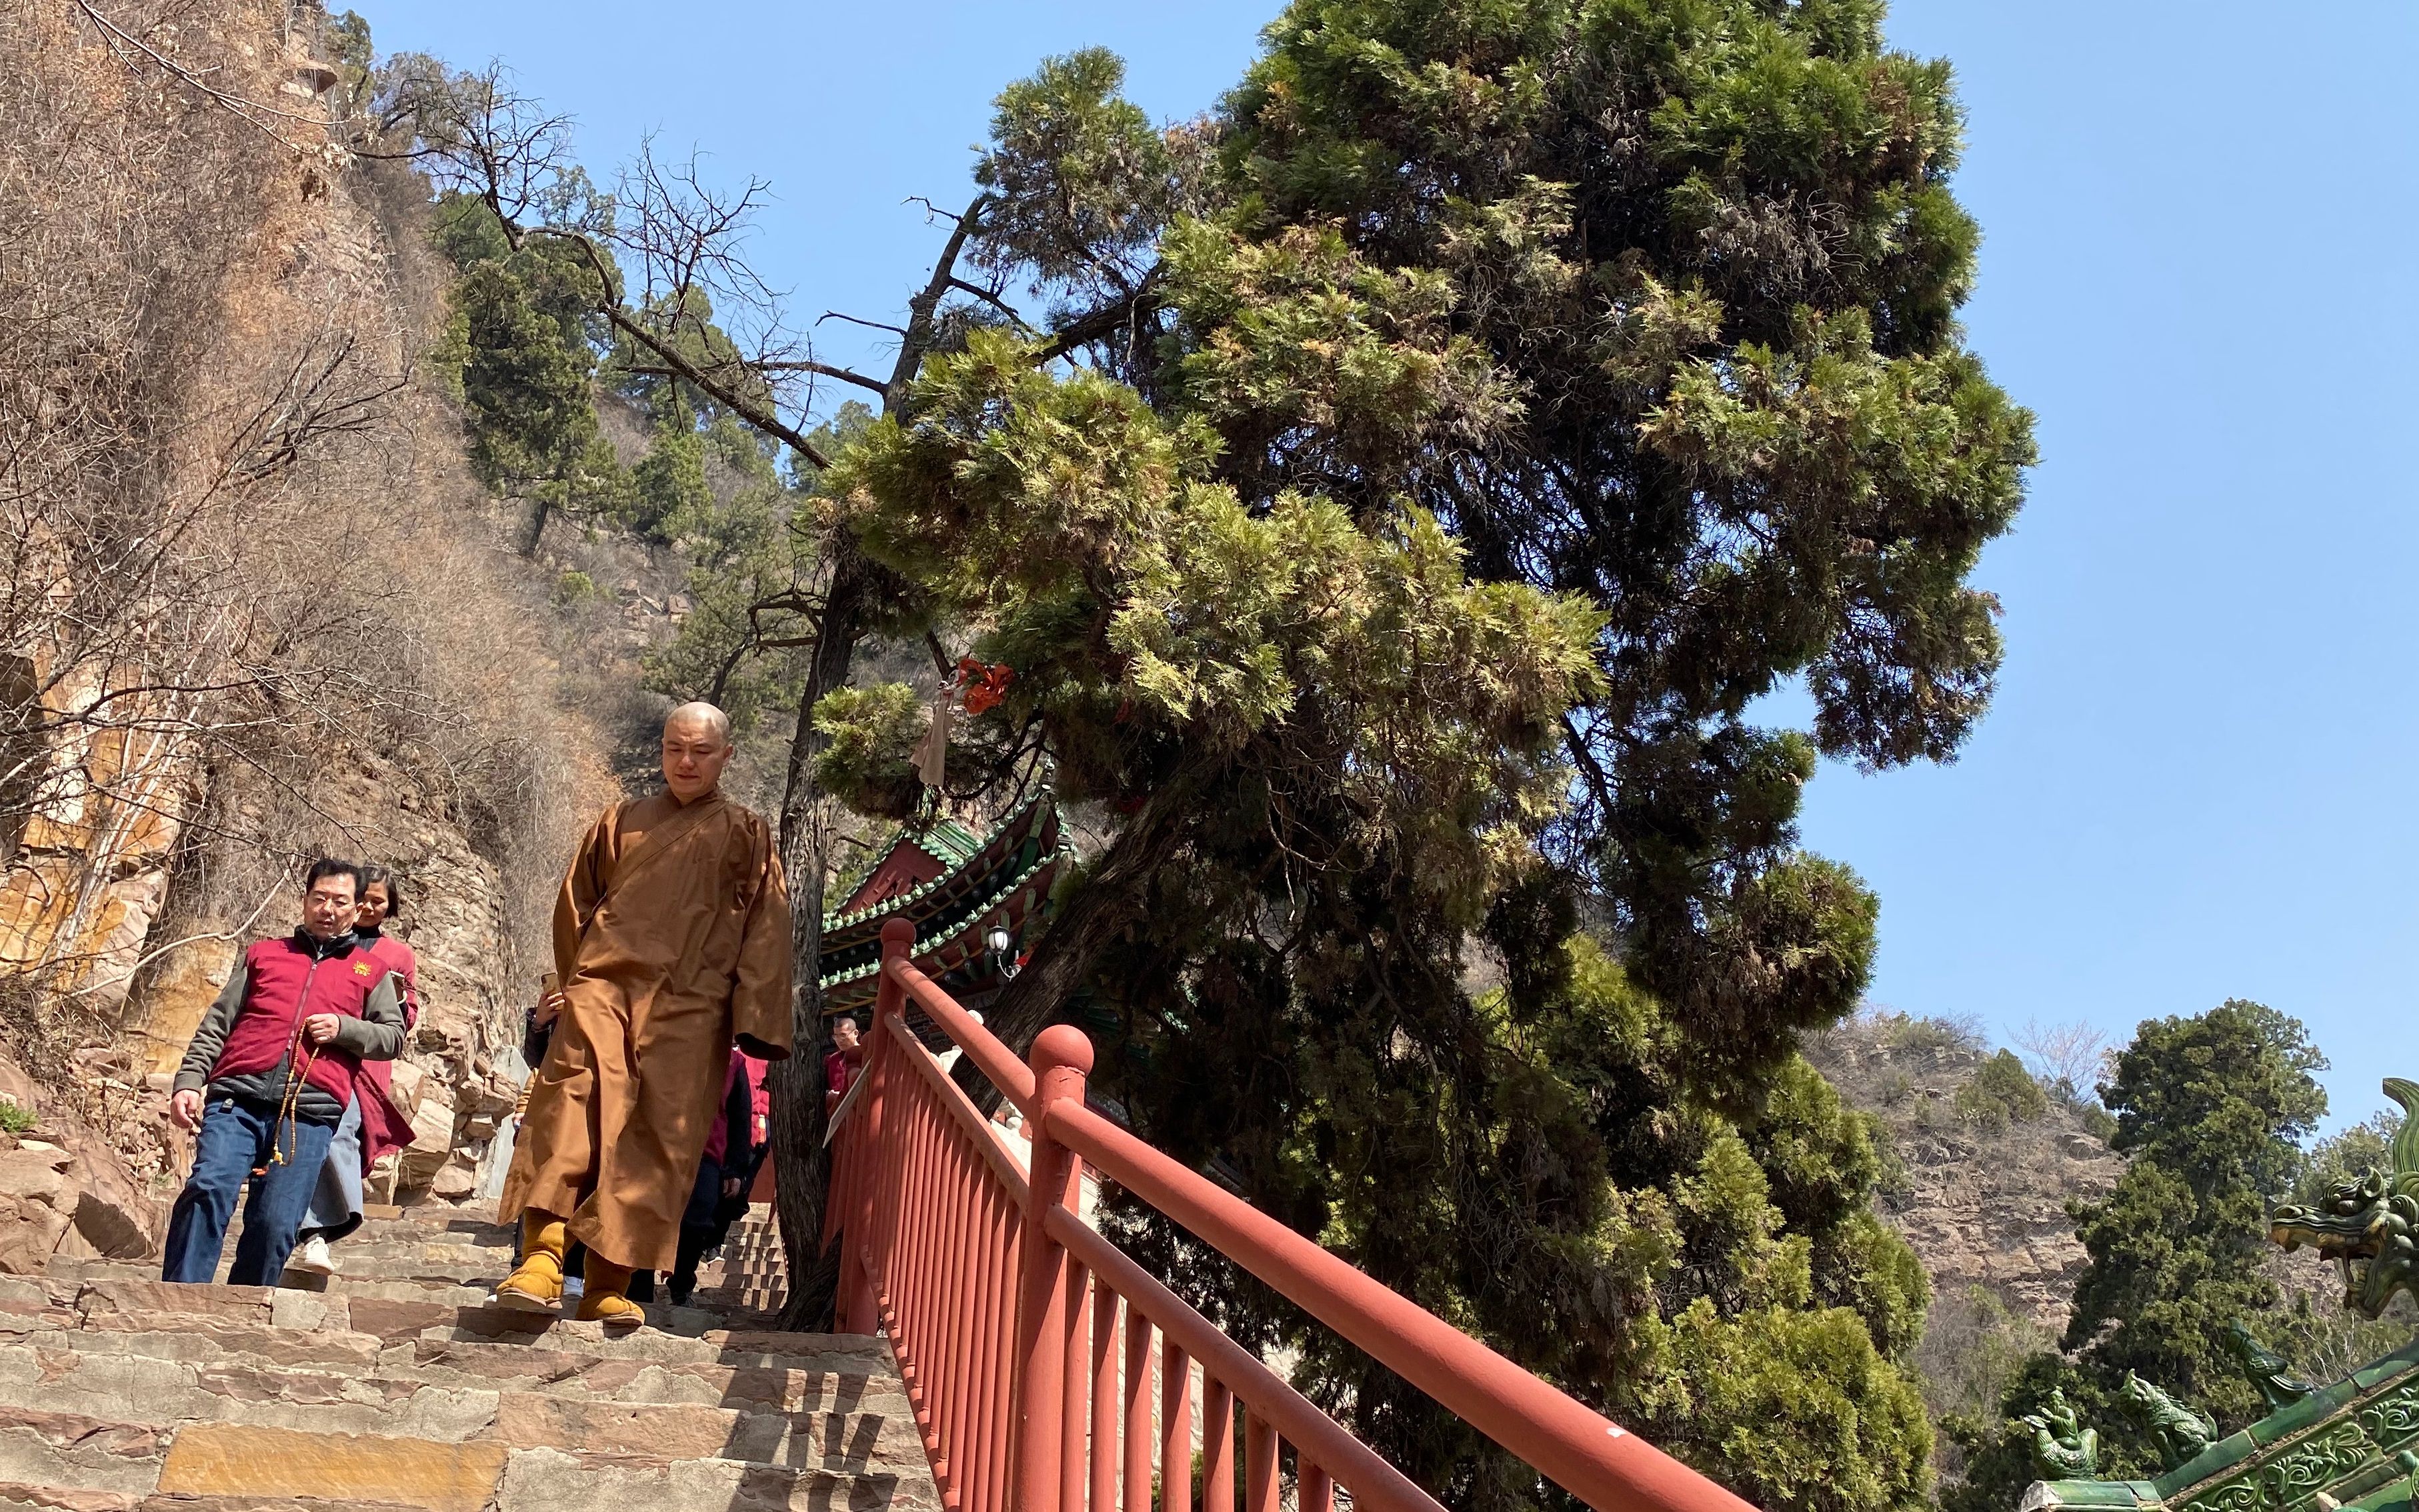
<point x="271" y="1067"/>
<point x="841" y="1063"/>
<point x="372" y="1126"/>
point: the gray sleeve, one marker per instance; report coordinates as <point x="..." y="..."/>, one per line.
<point x="377" y="1034"/>
<point x="209" y="1036"/>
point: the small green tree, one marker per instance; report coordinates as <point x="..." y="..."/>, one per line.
<point x="517" y="354"/>
<point x="1999" y="1092"/>
<point x="2210" y="1110"/>
<point x="670" y="496"/>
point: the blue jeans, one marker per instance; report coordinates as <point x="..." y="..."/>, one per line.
<point x="237" y="1136"/>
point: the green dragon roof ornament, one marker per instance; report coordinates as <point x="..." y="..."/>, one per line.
<point x="2063" y="1448"/>
<point x="2368" y="1225"/>
<point x="2350" y="1445"/>
<point x="2178" y="1429"/>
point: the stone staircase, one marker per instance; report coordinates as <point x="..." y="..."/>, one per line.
<point x="398" y="1386"/>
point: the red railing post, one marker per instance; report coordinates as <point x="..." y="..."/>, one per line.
<point x="1061" y="1058"/>
<point x="858" y="1310"/>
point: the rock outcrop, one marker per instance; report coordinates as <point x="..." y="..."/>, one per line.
<point x="258" y="611"/>
<point x="65" y="1190"/>
<point x="1983" y="1200"/>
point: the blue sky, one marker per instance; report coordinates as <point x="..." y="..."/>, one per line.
<point x="2197" y="271"/>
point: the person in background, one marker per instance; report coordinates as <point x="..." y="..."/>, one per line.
<point x="271" y="1071"/>
<point x="841" y="1063"/>
<point x="740" y="1179"/>
<point x="760" y="1103"/>
<point x="373" y="1125"/>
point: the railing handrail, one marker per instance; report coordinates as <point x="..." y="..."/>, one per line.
<point x="1563" y="1437"/>
<point x="1378" y="1483"/>
<point x="1012" y="1076"/>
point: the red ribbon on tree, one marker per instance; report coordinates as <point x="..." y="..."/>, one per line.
<point x="984" y="686"/>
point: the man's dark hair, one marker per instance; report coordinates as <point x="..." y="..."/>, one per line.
<point x="372" y="873"/>
<point x="331" y="867"/>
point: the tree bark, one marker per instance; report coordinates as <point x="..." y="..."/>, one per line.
<point x="810" y="825"/>
<point x="810" y="820"/>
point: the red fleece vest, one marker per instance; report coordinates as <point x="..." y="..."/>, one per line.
<point x="383" y="1125"/>
<point x="283" y="987"/>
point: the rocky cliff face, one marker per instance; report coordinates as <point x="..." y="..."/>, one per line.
<point x="256" y="611"/>
<point x="1983" y="1195"/>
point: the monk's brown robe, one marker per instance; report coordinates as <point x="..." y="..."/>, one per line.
<point x="672" y="937"/>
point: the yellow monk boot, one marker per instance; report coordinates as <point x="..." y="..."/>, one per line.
<point x="604" y="1295"/>
<point x="536" y="1284"/>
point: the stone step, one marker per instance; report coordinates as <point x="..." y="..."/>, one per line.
<point x="471" y="1307"/>
<point x="68" y="1461"/>
<point x="398" y="1383"/>
<point x="460" y="1285"/>
<point x="452" y="1294"/>
<point x="331" y="1384"/>
<point x="775" y="1372"/>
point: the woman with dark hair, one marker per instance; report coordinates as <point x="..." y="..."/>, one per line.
<point x="373" y="1125"/>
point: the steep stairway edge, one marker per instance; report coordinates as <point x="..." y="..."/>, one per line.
<point x="399" y="1386"/>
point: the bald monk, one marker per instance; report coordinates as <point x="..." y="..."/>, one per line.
<point x="671" y="938"/>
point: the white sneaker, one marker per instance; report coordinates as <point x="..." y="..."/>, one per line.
<point x="312" y="1257"/>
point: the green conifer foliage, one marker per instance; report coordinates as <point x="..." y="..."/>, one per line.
<point x="517" y="353"/>
<point x="1467" y="426"/>
<point x="2210" y="1110"/>
<point x="1709" y="251"/>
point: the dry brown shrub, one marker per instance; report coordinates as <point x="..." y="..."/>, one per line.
<point x="235" y="522"/>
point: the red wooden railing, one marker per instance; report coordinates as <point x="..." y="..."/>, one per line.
<point x="1029" y="1342"/>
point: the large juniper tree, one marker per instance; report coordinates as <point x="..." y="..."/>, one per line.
<point x="1392" y="493"/>
<point x="1650" y="304"/>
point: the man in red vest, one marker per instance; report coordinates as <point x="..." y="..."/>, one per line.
<point x="271" y="1069"/>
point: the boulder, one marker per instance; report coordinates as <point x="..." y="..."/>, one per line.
<point x="432" y="1134"/>
<point x="455" y="1180"/>
<point x="407" y="1079"/>
<point x="37" y="1200"/>
<point x="112" y="1213"/>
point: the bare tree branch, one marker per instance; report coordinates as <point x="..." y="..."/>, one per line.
<point x="794" y="365"/>
<point x="834" y="315"/>
<point x="121" y="43"/>
<point x="1122" y="315"/>
<point x="992" y="299"/>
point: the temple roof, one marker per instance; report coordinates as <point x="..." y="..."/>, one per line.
<point x="955" y="888"/>
<point x="2349" y="1445"/>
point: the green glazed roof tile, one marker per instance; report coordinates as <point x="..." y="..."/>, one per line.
<point x="1011" y="830"/>
<point x="940" y="937"/>
<point x="2377" y="1372"/>
<point x="949" y="843"/>
<point x="2287" y="1421"/>
<point x="2094" y="1493"/>
<point x="2222" y="1456"/>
